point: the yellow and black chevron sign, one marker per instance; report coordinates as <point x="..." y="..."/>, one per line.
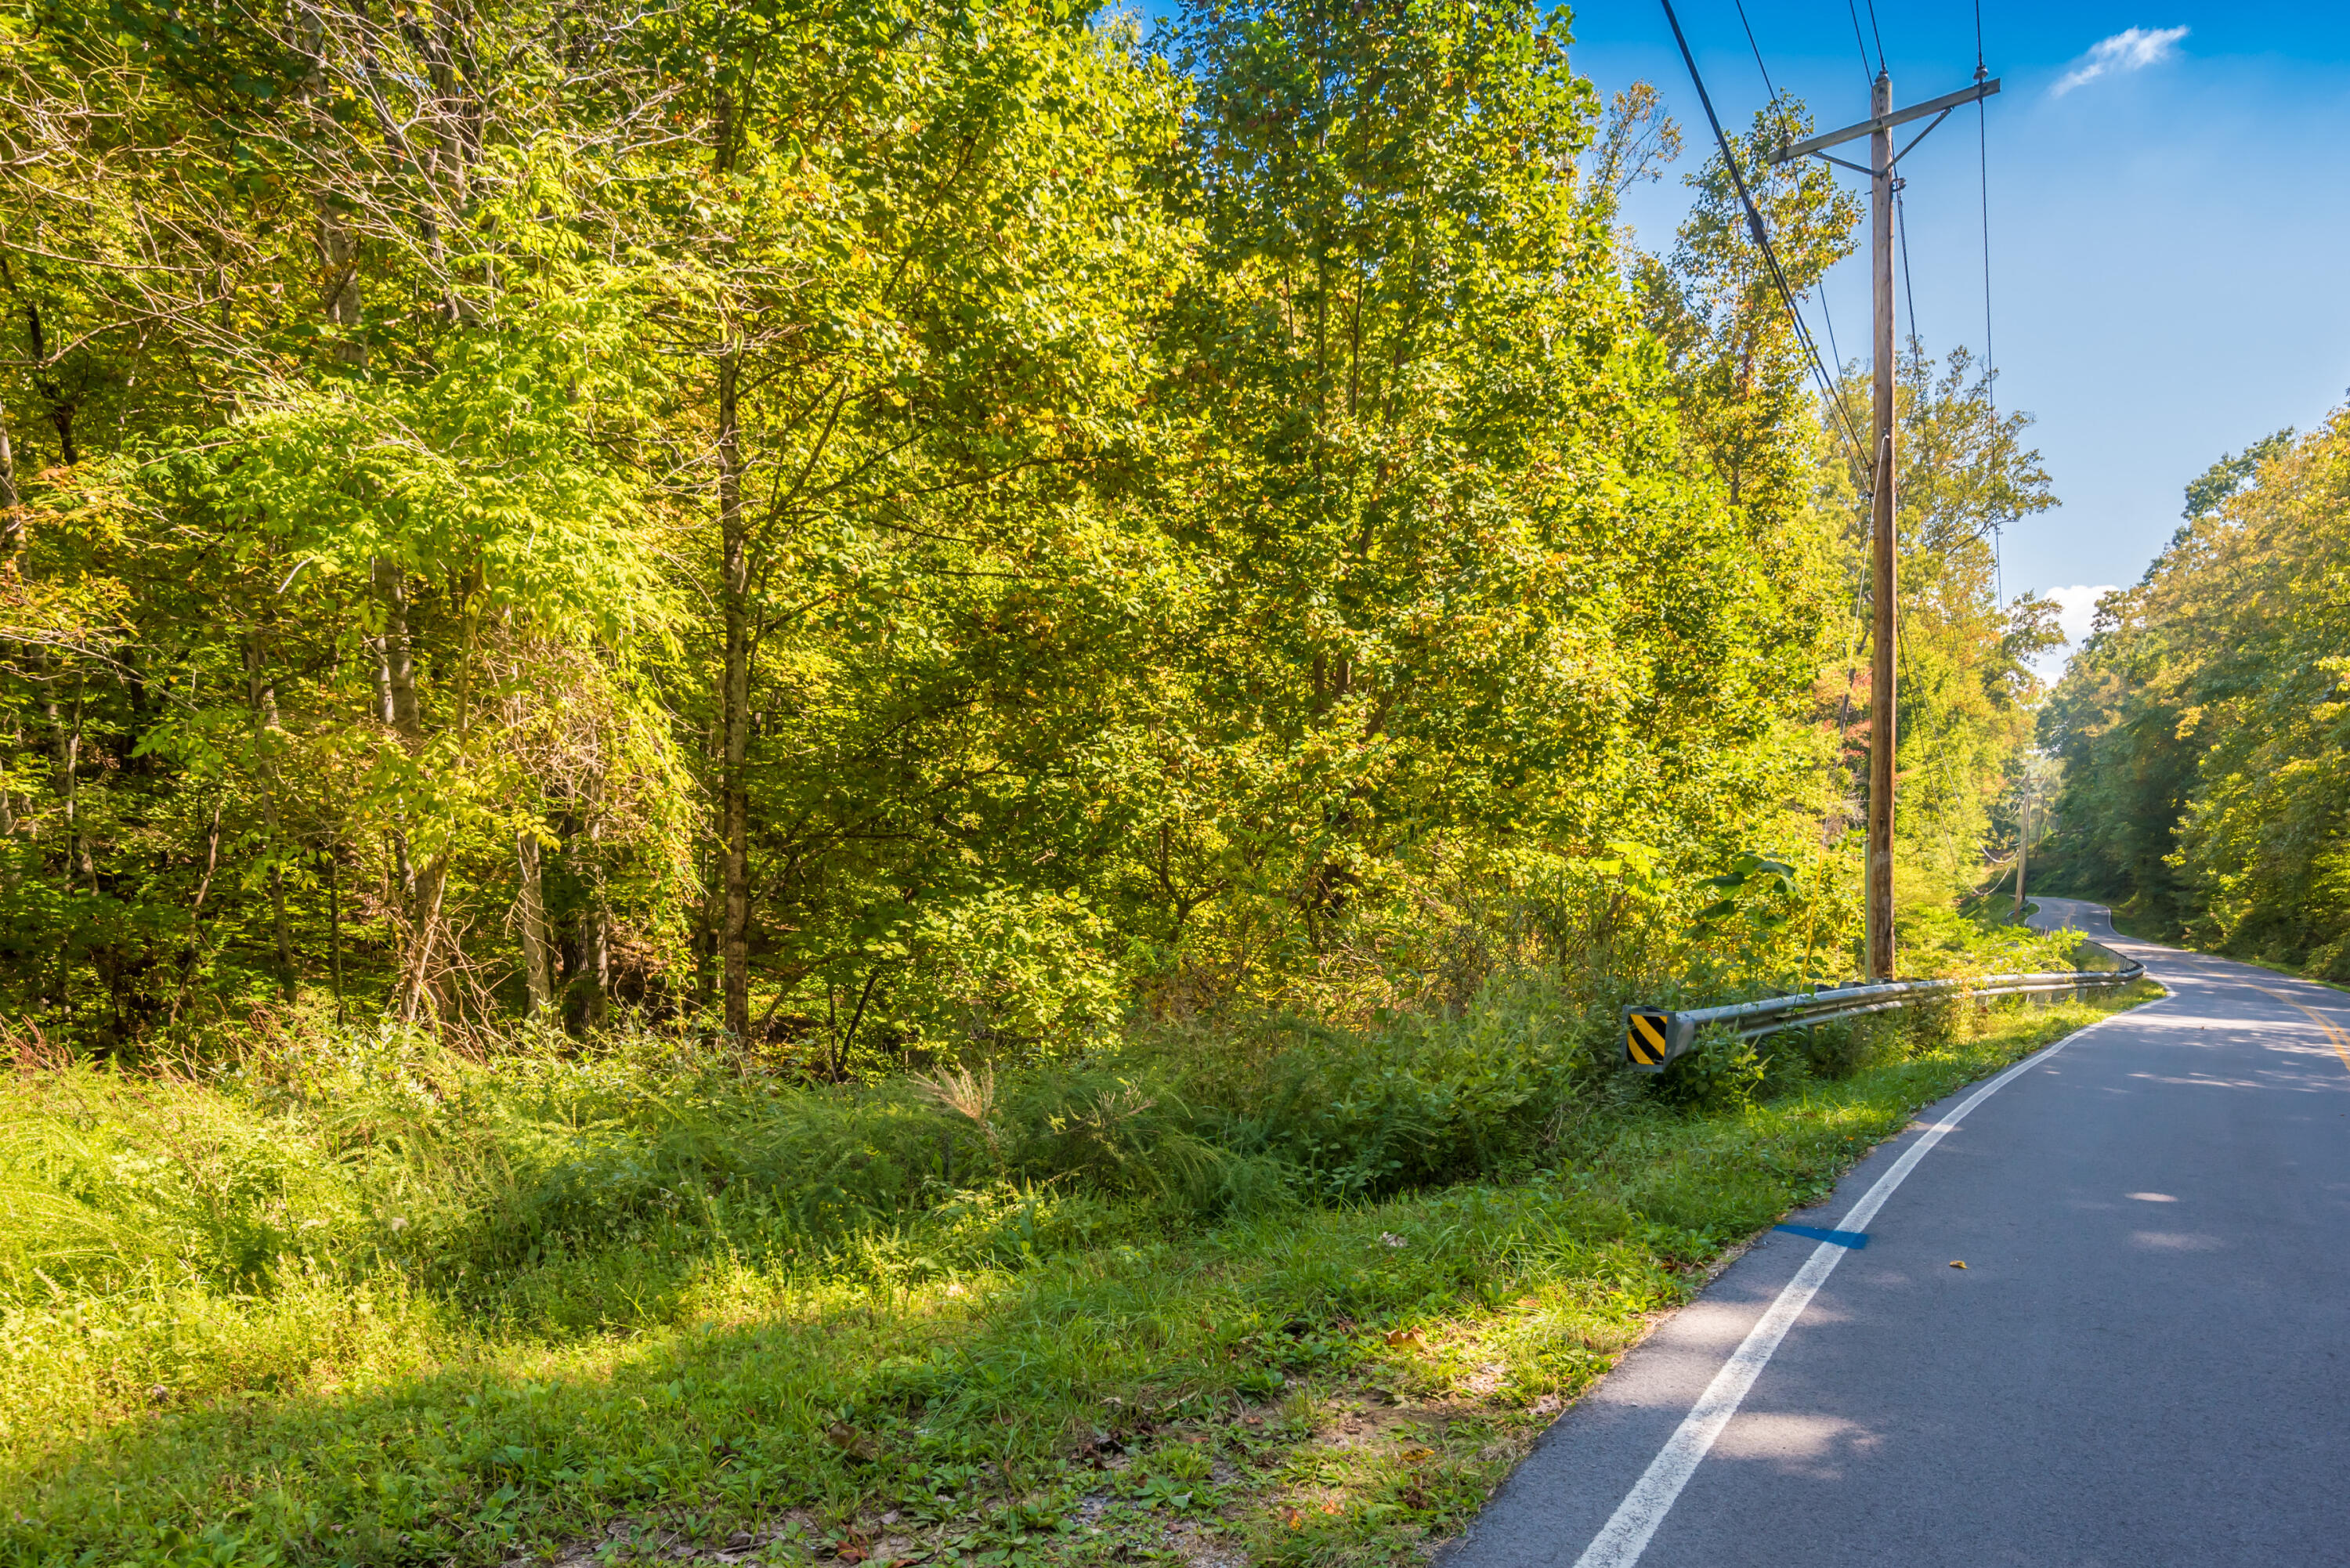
<point x="1645" y="1030"/>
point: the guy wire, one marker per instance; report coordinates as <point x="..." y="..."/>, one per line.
<point x="1763" y="240"/>
<point x="1830" y="321"/>
<point x="1909" y="293"/>
<point x="1828" y="317"/>
<point x="1860" y="43"/>
<point x="1758" y="51"/>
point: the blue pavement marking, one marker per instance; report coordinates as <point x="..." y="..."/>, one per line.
<point x="1855" y="1240"/>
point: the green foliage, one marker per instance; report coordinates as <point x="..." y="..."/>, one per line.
<point x="954" y="532"/>
<point x="1714" y="307"/>
<point x="1721" y="1073"/>
<point x="2202" y="724"/>
<point x="598" y="1311"/>
<point x="1966" y="690"/>
<point x="1421" y="1099"/>
<point x="1966" y="685"/>
<point x="754" y="759"/>
<point x="2218" y="484"/>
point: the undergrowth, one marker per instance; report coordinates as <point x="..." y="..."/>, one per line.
<point x="1283" y="1290"/>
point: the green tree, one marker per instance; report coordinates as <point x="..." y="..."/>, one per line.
<point x="1470" y="590"/>
<point x="2201" y="724"/>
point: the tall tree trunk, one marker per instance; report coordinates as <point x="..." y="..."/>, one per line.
<point x="195" y="948"/>
<point x="416" y="989"/>
<point x="734" y="701"/>
<point x="335" y="935"/>
<point x="734" y="830"/>
<point x="261" y="696"/>
<point x="288" y="976"/>
<point x="12" y="545"/>
<point x="61" y="408"/>
<point x="530" y="915"/>
<point x="596" y="958"/>
<point x="397" y="658"/>
<point x="396" y="689"/>
<point x="65" y="759"/>
<point x="341" y="298"/>
<point x="11" y="506"/>
<point x="596" y="940"/>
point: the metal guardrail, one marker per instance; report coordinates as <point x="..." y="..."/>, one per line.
<point x="1653" y="1036"/>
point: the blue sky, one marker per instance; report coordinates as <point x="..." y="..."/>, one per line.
<point x="2170" y="237"/>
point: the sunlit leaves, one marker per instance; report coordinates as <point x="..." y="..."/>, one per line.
<point x="2203" y="725"/>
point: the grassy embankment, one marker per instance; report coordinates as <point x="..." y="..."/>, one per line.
<point x="1304" y="1298"/>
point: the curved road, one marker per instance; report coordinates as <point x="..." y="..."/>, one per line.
<point x="2145" y="1361"/>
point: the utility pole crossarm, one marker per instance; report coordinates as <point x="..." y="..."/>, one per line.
<point x="1943" y="105"/>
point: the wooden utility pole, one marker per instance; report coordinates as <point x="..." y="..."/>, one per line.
<point x="1884" y="559"/>
<point x="1884" y="554"/>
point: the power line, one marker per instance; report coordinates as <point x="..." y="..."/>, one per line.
<point x="1758" y="51"/>
<point x="1858" y="42"/>
<point x="1826" y="316"/>
<point x="1772" y="87"/>
<point x="1877" y="36"/>
<point x="1762" y="240"/>
<point x="1990" y="360"/>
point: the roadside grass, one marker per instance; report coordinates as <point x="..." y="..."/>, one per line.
<point x="2125" y="922"/>
<point x="1029" y="1372"/>
<point x="1992" y="909"/>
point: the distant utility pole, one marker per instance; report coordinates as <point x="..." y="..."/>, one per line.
<point x="2023" y="840"/>
<point x="1883" y="558"/>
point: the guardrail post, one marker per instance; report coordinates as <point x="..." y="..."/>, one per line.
<point x="1653" y="1037"/>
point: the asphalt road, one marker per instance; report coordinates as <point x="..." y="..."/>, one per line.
<point x="2146" y="1360"/>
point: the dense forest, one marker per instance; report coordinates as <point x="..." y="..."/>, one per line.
<point x="899" y="532"/>
<point x="2201" y="727"/>
<point x="872" y="784"/>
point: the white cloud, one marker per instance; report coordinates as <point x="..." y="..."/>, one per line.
<point x="2132" y="50"/>
<point x="2076" y="607"/>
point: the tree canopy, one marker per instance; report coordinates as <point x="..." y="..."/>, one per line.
<point x="2202" y="724"/>
<point x="901" y="531"/>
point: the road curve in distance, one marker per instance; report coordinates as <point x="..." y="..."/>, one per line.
<point x="2146" y="1360"/>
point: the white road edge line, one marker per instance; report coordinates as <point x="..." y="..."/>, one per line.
<point x="1626" y="1534"/>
